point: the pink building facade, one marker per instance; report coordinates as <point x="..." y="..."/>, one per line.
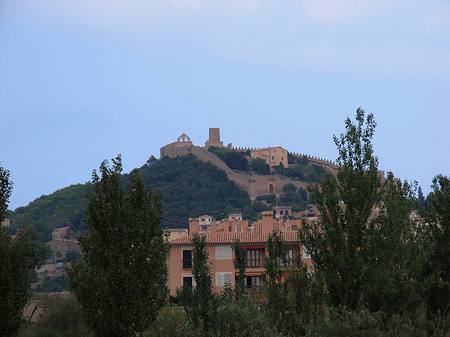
<point x="220" y="236"/>
<point x="273" y="156"/>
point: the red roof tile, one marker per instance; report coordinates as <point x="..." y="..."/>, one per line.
<point x="230" y="237"/>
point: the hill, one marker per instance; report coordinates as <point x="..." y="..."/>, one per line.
<point x="190" y="188"/>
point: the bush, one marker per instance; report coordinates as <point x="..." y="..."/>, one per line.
<point x="63" y="319"/>
<point x="72" y="255"/>
<point x="55" y="284"/>
<point x="234" y="160"/>
<point x="260" y="166"/>
<point x="343" y="322"/>
<point x="289" y="188"/>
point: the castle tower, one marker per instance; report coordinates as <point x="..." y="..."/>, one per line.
<point x="214" y="138"/>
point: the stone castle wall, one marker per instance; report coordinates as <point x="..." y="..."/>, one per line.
<point x="254" y="185"/>
<point x="328" y="164"/>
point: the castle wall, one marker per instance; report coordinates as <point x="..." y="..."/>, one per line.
<point x="328" y="164"/>
<point x="254" y="185"/>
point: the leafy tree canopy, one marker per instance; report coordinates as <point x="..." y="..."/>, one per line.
<point x="363" y="256"/>
<point x="19" y="257"/>
<point x="189" y="186"/>
<point x="235" y="160"/>
<point x="121" y="279"/>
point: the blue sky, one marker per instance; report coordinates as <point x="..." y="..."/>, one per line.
<point x="84" y="80"/>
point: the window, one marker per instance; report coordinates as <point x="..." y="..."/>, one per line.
<point x="187" y="281"/>
<point x="187" y="259"/>
<point x="253" y="282"/>
<point x="238" y="228"/>
<point x="305" y="254"/>
<point x="255" y="258"/>
<point x="224" y="253"/>
<point x="289" y="259"/>
<point x="224" y="279"/>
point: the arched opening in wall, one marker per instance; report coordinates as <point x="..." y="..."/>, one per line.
<point x="270" y="188"/>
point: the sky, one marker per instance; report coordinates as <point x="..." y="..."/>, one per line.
<point x="84" y="80"/>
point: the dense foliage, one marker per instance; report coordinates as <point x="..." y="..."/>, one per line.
<point x="52" y="284"/>
<point x="189" y="186"/>
<point x="64" y="318"/>
<point x="259" y="166"/>
<point x="296" y="198"/>
<point x="120" y="281"/>
<point x="437" y="268"/>
<point x="234" y="160"/>
<point x="64" y="207"/>
<point x="19" y="257"/>
<point x="363" y="258"/>
<point x="303" y="171"/>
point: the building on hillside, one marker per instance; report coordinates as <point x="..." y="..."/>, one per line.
<point x="283" y="210"/>
<point x="273" y="156"/>
<point x="220" y="236"/>
<point x="171" y="150"/>
<point x="60" y="233"/>
<point x="175" y="233"/>
<point x="6" y="223"/>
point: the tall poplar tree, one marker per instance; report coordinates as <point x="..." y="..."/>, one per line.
<point x="437" y="215"/>
<point x="18" y="258"/>
<point x="363" y="246"/>
<point x="120" y="281"/>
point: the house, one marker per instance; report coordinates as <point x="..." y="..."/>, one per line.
<point x="220" y="236"/>
<point x="60" y="233"/>
<point x="273" y="156"/>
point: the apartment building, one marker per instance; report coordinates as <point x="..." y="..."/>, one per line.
<point x="220" y="236"/>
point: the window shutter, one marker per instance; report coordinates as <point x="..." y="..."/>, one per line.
<point x="228" y="279"/>
<point x="224" y="253"/>
<point x="224" y="279"/>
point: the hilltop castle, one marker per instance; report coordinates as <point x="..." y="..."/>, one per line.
<point x="254" y="185"/>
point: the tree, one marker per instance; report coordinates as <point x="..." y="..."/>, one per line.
<point x="239" y="267"/>
<point x="201" y="303"/>
<point x="19" y="257"/>
<point x="289" y="188"/>
<point x="275" y="288"/>
<point x="420" y="198"/>
<point x="120" y="281"/>
<point x="363" y="246"/>
<point x="437" y="216"/>
<point x="260" y="166"/>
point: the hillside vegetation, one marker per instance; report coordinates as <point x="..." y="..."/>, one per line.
<point x="190" y="188"/>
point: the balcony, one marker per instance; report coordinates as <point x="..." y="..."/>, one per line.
<point x="255" y="263"/>
<point x="254" y="258"/>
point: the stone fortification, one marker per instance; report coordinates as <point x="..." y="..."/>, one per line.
<point x="328" y="164"/>
<point x="254" y="185"/>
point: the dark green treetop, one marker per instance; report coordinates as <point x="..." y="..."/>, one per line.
<point x="120" y="281"/>
<point x="364" y="226"/>
<point x="19" y="257"/>
<point x="437" y="217"/>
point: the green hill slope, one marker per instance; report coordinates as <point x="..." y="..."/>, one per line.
<point x="190" y="188"/>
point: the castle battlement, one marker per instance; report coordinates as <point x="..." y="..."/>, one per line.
<point x="254" y="185"/>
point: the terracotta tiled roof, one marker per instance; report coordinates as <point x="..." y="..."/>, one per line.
<point x="230" y="237"/>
